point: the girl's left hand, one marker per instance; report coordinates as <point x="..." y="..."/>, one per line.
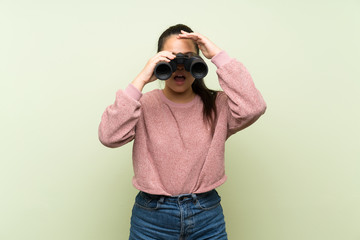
<point x="208" y="48"/>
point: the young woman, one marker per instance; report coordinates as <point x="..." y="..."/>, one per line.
<point x="180" y="133"/>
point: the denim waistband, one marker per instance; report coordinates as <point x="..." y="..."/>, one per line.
<point x="182" y="197"/>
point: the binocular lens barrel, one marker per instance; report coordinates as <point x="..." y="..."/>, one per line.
<point x="163" y="71"/>
<point x="195" y="65"/>
<point x="198" y="69"/>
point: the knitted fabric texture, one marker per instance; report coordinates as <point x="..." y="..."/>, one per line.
<point x="175" y="151"/>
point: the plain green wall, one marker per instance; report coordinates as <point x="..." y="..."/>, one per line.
<point x="294" y="175"/>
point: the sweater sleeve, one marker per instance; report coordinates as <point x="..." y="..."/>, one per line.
<point x="244" y="102"/>
<point x="117" y="126"/>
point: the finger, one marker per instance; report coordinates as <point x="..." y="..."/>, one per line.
<point x="161" y="59"/>
<point x="184" y="33"/>
<point x="197" y="35"/>
<point x="156" y="59"/>
<point x="167" y="54"/>
<point x="188" y="36"/>
<point x="193" y="36"/>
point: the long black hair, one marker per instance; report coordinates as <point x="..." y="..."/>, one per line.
<point x="207" y="95"/>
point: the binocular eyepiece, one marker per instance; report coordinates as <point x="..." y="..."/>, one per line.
<point x="193" y="64"/>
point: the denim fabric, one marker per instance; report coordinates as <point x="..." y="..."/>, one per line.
<point x="184" y="217"/>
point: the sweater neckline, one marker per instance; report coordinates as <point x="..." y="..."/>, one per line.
<point x="174" y="104"/>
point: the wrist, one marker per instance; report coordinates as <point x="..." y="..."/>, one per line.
<point x="138" y="83"/>
<point x="215" y="52"/>
<point x="221" y="59"/>
<point x="133" y="92"/>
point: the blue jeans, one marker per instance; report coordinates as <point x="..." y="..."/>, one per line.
<point x="184" y="217"/>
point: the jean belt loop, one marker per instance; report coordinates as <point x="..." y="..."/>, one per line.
<point x="194" y="197"/>
<point x="162" y="199"/>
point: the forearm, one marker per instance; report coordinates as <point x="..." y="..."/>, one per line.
<point x="118" y="121"/>
<point x="245" y="101"/>
<point x="139" y="83"/>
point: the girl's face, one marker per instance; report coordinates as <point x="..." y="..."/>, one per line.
<point x="181" y="80"/>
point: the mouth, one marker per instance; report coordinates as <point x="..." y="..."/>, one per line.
<point x="179" y="78"/>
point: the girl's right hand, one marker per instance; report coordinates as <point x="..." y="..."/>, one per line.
<point x="147" y="74"/>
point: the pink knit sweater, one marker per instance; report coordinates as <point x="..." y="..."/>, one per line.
<point x="175" y="152"/>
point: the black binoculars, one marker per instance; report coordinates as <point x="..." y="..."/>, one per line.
<point x="192" y="63"/>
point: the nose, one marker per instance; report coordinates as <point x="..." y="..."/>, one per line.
<point x="180" y="67"/>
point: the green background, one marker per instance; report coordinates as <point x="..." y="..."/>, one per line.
<point x="293" y="175"/>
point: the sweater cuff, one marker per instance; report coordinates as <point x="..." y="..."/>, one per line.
<point x="220" y="59"/>
<point x="133" y="92"/>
